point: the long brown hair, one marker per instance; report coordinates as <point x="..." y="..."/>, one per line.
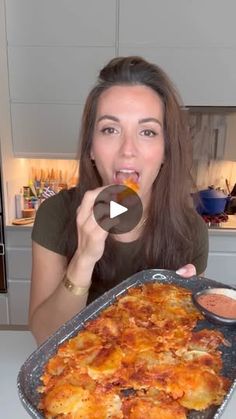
<point x="168" y="232"/>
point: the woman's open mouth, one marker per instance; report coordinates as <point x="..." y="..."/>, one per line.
<point x="122" y="175"/>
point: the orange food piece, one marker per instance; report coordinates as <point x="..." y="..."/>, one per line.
<point x="131" y="184"/>
<point x="126" y="193"/>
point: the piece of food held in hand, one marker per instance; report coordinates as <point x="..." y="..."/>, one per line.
<point x="131" y="184"/>
<point x="140" y="357"/>
<point x="132" y="188"/>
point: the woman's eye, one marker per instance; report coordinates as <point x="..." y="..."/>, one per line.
<point x="108" y="130"/>
<point x="148" y="133"/>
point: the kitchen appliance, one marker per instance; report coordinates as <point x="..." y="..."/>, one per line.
<point x="211" y="201"/>
<point x="3" y="282"/>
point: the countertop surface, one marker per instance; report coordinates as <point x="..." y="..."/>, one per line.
<point x="229" y="225"/>
<point x="15" y="348"/>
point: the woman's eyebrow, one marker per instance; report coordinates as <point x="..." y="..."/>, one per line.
<point x="144" y="120"/>
<point x="140" y="121"/>
<point x="113" y="118"/>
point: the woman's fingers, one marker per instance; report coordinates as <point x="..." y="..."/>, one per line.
<point x="93" y="227"/>
<point x="187" y="271"/>
<point x="86" y="207"/>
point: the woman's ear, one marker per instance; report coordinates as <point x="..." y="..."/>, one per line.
<point x="91" y="155"/>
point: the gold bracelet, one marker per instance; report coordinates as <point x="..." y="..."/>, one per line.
<point x="73" y="288"/>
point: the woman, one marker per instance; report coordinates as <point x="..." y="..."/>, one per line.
<point x="132" y="126"/>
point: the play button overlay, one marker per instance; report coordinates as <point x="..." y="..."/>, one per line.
<point x="118" y="209"/>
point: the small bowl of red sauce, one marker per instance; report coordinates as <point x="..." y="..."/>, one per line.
<point x="217" y="305"/>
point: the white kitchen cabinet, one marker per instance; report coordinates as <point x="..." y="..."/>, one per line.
<point x="18" y="301"/>
<point x="61" y="22"/>
<point x="18" y="265"/>
<point x="48" y="88"/>
<point x="193" y="41"/>
<point x="222" y="256"/>
<point x="195" y="72"/>
<point x="4" y="315"/>
<point x="182" y="23"/>
<point x="54" y="74"/>
<point x="45" y="130"/>
<point x="55" y="51"/>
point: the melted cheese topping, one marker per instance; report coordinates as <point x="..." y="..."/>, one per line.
<point x="139" y="358"/>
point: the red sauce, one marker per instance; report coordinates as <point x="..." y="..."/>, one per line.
<point x="219" y="304"/>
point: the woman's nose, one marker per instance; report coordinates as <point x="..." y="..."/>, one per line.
<point x="128" y="146"/>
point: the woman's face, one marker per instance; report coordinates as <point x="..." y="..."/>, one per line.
<point x="128" y="139"/>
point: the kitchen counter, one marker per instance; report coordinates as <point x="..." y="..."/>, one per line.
<point x="15" y="347"/>
<point x="19" y="227"/>
<point x="228" y="225"/>
<point x="231" y="223"/>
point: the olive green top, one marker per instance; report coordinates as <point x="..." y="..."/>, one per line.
<point x="53" y="217"/>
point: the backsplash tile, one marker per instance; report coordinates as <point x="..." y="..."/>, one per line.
<point x="215" y="173"/>
<point x="213" y="137"/>
<point x="208" y="133"/>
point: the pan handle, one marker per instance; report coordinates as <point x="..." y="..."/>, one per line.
<point x="158" y="276"/>
<point x="227" y="186"/>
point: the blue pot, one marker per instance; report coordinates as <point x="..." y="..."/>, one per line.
<point x="210" y="201"/>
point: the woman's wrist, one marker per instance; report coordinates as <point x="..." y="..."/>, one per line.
<point x="73" y="288"/>
<point x="81" y="262"/>
<point x="78" y="275"/>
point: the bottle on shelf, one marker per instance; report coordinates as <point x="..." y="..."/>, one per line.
<point x="19" y="204"/>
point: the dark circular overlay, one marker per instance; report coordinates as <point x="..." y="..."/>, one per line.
<point x="120" y="200"/>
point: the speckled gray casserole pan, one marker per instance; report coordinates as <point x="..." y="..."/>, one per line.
<point x="29" y="375"/>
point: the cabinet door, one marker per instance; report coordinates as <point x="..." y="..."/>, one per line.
<point x="193" y="41"/>
<point x="222" y="267"/>
<point x="61" y="22"/>
<point x="18" y="301"/>
<point x="4" y="317"/>
<point x="45" y="130"/>
<point x="181" y="23"/>
<point x="222" y="257"/>
<point x="19" y="263"/>
<point x="55" y="51"/>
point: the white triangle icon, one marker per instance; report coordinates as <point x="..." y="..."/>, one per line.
<point x="116" y="209"/>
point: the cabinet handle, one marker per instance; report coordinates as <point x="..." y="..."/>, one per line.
<point x="2" y="249"/>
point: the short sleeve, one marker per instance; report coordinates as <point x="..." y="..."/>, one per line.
<point x="201" y="248"/>
<point x="51" y="221"/>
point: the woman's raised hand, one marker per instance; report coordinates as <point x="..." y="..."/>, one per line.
<point x="91" y="237"/>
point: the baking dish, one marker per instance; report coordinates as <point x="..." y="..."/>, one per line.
<point x="29" y="376"/>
